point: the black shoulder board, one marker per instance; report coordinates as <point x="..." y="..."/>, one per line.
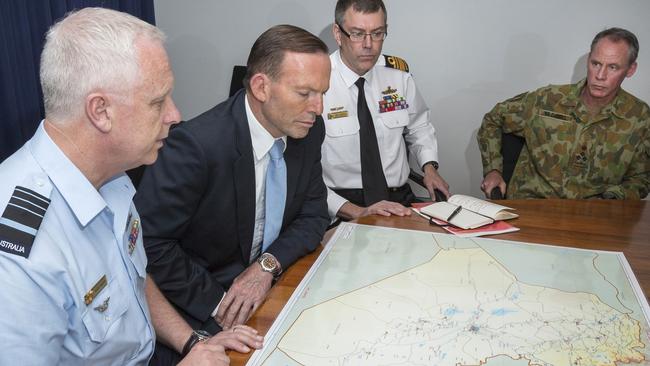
<point x="395" y="62"/>
<point x="21" y="220"/>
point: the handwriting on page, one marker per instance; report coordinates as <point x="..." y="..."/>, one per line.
<point x="476" y="205"/>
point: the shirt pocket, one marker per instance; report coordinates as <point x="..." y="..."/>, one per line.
<point x="344" y="126"/>
<point x="341" y="145"/>
<point x="395" y="120"/>
<point x="104" y="311"/>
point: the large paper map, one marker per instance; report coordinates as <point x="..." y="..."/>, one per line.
<point x="379" y="296"/>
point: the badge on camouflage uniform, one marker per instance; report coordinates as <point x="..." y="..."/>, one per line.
<point x="560" y="116"/>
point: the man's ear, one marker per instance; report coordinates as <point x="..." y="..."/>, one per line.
<point x="260" y="85"/>
<point x="98" y="111"/>
<point x="631" y="70"/>
<point x="336" y="32"/>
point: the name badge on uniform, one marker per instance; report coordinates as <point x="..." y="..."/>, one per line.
<point x="560" y="116"/>
<point x="391" y="101"/>
<point x="133" y="236"/>
<point x="95" y="290"/>
<point x="337" y="112"/>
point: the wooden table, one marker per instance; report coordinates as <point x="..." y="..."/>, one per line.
<point x="594" y="224"/>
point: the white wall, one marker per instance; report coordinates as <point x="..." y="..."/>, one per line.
<point x="466" y="55"/>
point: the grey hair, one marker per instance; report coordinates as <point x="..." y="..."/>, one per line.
<point x="616" y="35"/>
<point x="90" y="49"/>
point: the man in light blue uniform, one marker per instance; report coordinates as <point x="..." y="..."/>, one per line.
<point x="73" y="286"/>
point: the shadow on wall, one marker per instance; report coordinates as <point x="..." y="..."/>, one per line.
<point x="580" y="69"/>
<point x="326" y="36"/>
<point x="194" y="91"/>
<point x="457" y="116"/>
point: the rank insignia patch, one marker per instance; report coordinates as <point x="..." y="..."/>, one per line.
<point x="395" y="62"/>
<point x="20" y="221"/>
<point x="133" y="236"/>
<point x="337" y="112"/>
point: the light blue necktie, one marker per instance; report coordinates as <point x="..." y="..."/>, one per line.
<point x="275" y="194"/>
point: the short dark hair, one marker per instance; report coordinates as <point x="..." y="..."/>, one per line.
<point x="362" y="6"/>
<point x="268" y="51"/>
<point x="617" y="35"/>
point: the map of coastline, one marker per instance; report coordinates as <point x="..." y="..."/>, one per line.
<point x="463" y="304"/>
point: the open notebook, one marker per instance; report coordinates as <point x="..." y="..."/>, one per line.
<point x="474" y="213"/>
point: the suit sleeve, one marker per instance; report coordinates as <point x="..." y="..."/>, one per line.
<point x="305" y="231"/>
<point x="167" y="198"/>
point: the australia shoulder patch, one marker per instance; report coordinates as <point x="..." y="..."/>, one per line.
<point x="395" y="62"/>
<point x="20" y="221"/>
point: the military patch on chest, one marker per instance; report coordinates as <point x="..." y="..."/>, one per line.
<point x="563" y="117"/>
<point x="391" y="101"/>
<point x="21" y="220"/>
<point x="337" y="112"/>
<point x="395" y="62"/>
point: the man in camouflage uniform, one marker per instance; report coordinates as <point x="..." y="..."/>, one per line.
<point x="584" y="140"/>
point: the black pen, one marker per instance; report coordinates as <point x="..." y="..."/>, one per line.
<point x="453" y="214"/>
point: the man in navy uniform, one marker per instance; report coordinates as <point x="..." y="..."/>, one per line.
<point x="373" y="113"/>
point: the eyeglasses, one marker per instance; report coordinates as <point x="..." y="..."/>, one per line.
<point x="376" y="36"/>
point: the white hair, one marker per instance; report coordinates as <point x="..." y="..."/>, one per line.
<point x="90" y="49"/>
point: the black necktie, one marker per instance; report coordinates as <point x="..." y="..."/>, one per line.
<point x="375" y="188"/>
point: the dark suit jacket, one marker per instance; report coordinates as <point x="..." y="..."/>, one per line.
<point x="197" y="205"/>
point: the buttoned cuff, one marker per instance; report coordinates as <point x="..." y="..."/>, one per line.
<point x="334" y="203"/>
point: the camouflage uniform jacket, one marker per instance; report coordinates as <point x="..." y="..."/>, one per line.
<point x="568" y="153"/>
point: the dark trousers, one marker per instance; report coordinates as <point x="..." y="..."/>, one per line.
<point x="402" y="195"/>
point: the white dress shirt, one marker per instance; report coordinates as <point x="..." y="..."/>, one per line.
<point x="262" y="142"/>
<point x="396" y="129"/>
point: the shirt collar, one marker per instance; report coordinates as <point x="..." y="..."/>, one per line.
<point x="349" y="76"/>
<point x="77" y="191"/>
<point x="261" y="139"/>
<point x="618" y="107"/>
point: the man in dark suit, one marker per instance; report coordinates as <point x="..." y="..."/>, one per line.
<point x="203" y="203"/>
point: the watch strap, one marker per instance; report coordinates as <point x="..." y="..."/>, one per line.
<point x="433" y="163"/>
<point x="195" y="337"/>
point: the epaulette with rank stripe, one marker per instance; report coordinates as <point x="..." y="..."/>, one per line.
<point x="395" y="62"/>
<point x="21" y="220"/>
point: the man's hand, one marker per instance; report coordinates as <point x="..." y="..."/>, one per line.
<point x="491" y="180"/>
<point x="206" y="354"/>
<point x="246" y="294"/>
<point x="240" y="338"/>
<point x="351" y="211"/>
<point x="433" y="180"/>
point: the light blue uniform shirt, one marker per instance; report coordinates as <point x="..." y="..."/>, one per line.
<point x="84" y="235"/>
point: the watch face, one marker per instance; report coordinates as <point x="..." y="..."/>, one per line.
<point x="269" y="264"/>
